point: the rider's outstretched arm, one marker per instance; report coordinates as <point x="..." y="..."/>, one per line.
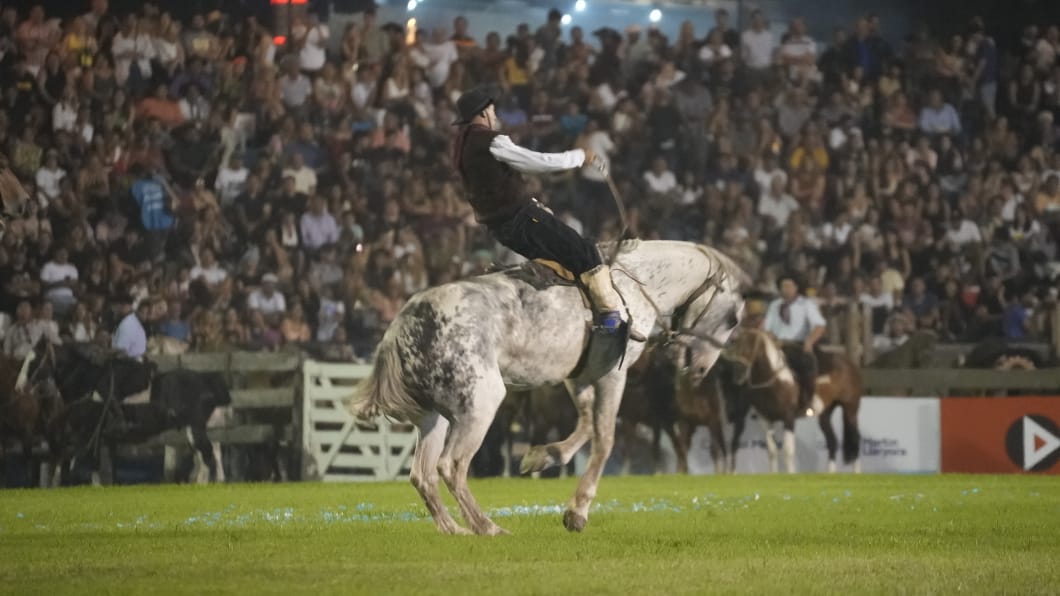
<point x="532" y="162"/>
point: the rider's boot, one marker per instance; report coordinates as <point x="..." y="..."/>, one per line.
<point x="605" y="299"/>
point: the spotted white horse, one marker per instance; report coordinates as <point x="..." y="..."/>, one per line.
<point x="446" y="360"/>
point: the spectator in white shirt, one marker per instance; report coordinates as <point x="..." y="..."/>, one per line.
<point x="313" y="38"/>
<point x="659" y="179"/>
<point x="64" y="114"/>
<point x="208" y="269"/>
<point x="48" y="177"/>
<point x="231" y="180"/>
<point x="440" y="55"/>
<point x="776" y="203"/>
<point x="58" y="277"/>
<point x="874" y="297"/>
<point x="757" y="44"/>
<point x="962" y="232"/>
<point x="266" y="299"/>
<point x="132" y="45"/>
<point x="799" y="54"/>
<point x="305" y="178"/>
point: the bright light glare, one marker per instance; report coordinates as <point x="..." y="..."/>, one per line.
<point x="655" y="16"/>
<point x="412" y="5"/>
<point x="579" y="5"/>
<point x="565" y="20"/>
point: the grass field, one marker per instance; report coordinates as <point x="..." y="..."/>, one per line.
<point x="647" y="535"/>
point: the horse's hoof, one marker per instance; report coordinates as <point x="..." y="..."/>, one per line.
<point x="495" y="530"/>
<point x="574" y="522"/>
<point x="538" y="459"/>
<point x="455" y="530"/>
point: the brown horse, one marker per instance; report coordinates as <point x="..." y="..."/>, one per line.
<point x="761" y="379"/>
<point x="26" y="408"/>
<point x="700" y="402"/>
<point x="667" y="393"/>
<point x="648" y="400"/>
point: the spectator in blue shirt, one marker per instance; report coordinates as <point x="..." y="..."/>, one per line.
<point x="152" y="196"/>
<point x="939" y="117"/>
<point x="175" y="326"/>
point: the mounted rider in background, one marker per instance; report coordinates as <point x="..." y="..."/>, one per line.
<point x="797" y="322"/>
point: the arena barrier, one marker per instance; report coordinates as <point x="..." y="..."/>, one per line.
<point x="335" y="447"/>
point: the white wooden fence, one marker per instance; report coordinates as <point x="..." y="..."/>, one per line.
<point x="336" y="447"/>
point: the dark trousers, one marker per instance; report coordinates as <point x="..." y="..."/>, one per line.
<point x="537" y="234"/>
<point x="804" y="366"/>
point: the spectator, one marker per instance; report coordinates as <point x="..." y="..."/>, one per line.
<point x="318" y="227"/>
<point x="266" y="299"/>
<point x="311" y="37"/>
<point x="776" y="204"/>
<point x="23" y="334"/>
<point x="59" y="279"/>
<point x="938" y="117"/>
<point x="175" y="326"/>
<point x="757" y="48"/>
<point x="294" y="328"/>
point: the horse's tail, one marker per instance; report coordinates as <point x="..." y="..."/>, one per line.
<point x="384" y="392"/>
<point x="851" y="437"/>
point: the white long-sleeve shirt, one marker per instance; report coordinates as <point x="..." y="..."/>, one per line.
<point x="531" y="162"/>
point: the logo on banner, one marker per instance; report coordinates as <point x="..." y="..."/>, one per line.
<point x="1033" y="443"/>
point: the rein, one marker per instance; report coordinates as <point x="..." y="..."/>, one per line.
<point x="748" y="363"/>
<point x="669" y="322"/>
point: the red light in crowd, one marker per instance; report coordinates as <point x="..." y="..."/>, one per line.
<point x="288" y="1"/>
<point x="279" y="40"/>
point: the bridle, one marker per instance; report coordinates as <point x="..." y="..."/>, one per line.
<point x="670" y="323"/>
<point x="760" y="340"/>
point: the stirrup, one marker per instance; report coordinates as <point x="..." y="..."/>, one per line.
<point x="609" y="321"/>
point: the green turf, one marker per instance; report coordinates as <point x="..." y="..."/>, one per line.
<point x="650" y="535"/>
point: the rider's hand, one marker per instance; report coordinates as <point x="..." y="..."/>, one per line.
<point x="807" y="347"/>
<point x="590" y="157"/>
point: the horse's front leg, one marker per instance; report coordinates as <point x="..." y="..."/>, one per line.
<point x="771" y="444"/>
<point x="605" y="411"/>
<point x="543" y="457"/>
<point x="789" y="444"/>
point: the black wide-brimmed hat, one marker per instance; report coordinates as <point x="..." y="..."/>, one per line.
<point x="471" y="104"/>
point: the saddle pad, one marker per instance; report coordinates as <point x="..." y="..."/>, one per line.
<point x="541" y="274"/>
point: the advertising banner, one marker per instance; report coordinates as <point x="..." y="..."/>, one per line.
<point x="1001" y="435"/>
<point x="898" y="435"/>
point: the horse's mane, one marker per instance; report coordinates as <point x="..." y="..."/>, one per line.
<point x="722" y="265"/>
<point x="725" y="265"/>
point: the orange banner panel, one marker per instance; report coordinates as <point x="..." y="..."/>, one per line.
<point x="1016" y="435"/>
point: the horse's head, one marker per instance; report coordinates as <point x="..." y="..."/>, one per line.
<point x="709" y="320"/>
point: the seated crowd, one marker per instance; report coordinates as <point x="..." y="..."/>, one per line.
<point x="254" y="196"/>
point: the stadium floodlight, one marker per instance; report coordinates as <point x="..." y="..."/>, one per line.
<point x="412" y="5"/>
<point x="565" y="20"/>
<point x="579" y="5"/>
<point x="655" y="15"/>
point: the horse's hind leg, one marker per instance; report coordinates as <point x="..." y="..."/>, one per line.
<point x="851" y="436"/>
<point x="205" y="464"/>
<point x="467" y="428"/>
<point x="424" y="474"/>
<point x="825" y="421"/>
<point x="605" y="410"/>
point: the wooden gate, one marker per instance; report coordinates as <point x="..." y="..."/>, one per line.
<point x="335" y="446"/>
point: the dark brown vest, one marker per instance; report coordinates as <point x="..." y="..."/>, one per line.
<point x="494" y="189"/>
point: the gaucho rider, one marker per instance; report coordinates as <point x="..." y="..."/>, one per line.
<point x="491" y="166"/>
<point x="796" y="321"/>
